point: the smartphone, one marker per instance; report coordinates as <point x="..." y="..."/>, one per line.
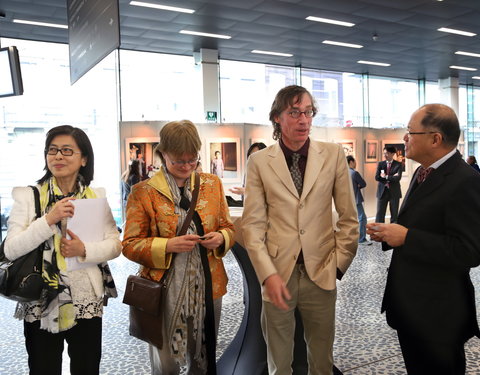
<point x="202" y="238"/>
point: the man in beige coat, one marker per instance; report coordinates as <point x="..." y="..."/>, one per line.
<point x="288" y="230"/>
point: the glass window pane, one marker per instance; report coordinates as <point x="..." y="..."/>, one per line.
<point x="160" y="87"/>
<point x="391" y="101"/>
<point x="338" y="97"/>
<point x="248" y="89"/>
<point x="49" y="100"/>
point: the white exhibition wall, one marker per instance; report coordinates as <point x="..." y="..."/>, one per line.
<point x="354" y="140"/>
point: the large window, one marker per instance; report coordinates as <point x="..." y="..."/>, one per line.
<point x="248" y="89"/>
<point x="338" y="96"/>
<point x="391" y="101"/>
<point x="160" y="87"/>
<point x="48" y="101"/>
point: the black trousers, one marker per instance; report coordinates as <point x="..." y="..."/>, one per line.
<point x="382" y="203"/>
<point x="424" y="357"/>
<point x="45" y="348"/>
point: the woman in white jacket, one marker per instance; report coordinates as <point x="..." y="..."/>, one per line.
<point x="71" y="306"/>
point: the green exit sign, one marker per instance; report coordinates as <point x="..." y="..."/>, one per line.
<point x="211" y="116"/>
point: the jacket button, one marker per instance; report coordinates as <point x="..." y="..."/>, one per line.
<point x="302" y="231"/>
<point x="301" y="205"/>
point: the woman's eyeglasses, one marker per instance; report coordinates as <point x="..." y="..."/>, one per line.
<point x="65" y="151"/>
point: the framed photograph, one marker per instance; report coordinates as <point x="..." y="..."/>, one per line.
<point x="400" y="156"/>
<point x="348" y="146"/>
<point x="371" y="151"/>
<point x="223" y="159"/>
<point x="142" y="148"/>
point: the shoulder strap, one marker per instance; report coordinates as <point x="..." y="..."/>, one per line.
<point x="36" y="196"/>
<point x="193" y="203"/>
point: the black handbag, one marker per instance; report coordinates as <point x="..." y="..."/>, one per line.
<point x="146" y="297"/>
<point x="21" y="279"/>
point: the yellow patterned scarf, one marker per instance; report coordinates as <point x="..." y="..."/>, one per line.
<point x="58" y="313"/>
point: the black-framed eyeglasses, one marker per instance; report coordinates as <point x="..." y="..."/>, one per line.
<point x="65" y="151"/>
<point x="309" y="113"/>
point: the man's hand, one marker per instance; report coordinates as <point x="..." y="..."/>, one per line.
<point x="277" y="291"/>
<point x="393" y="234"/>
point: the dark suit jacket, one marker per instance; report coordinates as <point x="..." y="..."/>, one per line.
<point x="394" y="181"/>
<point x="429" y="293"/>
<point x="358" y="183"/>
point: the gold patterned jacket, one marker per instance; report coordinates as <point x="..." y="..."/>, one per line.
<point x="151" y="221"/>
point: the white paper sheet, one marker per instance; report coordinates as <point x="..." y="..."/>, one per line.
<point x="88" y="224"/>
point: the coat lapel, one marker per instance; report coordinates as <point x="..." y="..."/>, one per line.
<point x="315" y="163"/>
<point x="434" y="180"/>
<point x="279" y="166"/>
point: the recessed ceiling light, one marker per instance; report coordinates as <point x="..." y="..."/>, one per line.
<point x="372" y="63"/>
<point x="467" y="53"/>
<point x="271" y="53"/>
<point x="327" y="20"/>
<point x="454" y="31"/>
<point x="35" y="23"/>
<point x="462" y="68"/>
<point x="341" y="44"/>
<point x="475" y="77"/>
<point x="163" y="7"/>
<point x="220" y="36"/>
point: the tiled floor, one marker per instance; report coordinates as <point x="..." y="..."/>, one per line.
<point x="364" y="344"/>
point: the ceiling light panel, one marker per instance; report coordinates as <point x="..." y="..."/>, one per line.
<point x="471" y="54"/>
<point x="372" y="63"/>
<point x="208" y="35"/>
<point x="341" y="44"/>
<point x="272" y="53"/>
<point x="328" y="20"/>
<point x="162" y="7"/>
<point x="462" y="68"/>
<point x="454" y="31"/>
<point x="36" y="23"/>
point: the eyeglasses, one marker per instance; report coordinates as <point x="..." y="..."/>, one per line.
<point x="65" y="151"/>
<point x="413" y="133"/>
<point x="296" y="113"/>
<point x="181" y="163"/>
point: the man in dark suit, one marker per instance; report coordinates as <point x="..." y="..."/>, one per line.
<point x="429" y="297"/>
<point x="389" y="174"/>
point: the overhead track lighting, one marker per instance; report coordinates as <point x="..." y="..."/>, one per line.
<point x="462" y="68"/>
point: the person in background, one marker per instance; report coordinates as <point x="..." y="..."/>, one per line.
<point x="288" y="231"/>
<point x="429" y="298"/>
<point x="71" y="305"/>
<point x="130" y="177"/>
<point x="359" y="183"/>
<point x="156" y="210"/>
<point x="472" y="161"/>
<point x="254" y="147"/>
<point x="388" y="175"/>
<point x="216" y="166"/>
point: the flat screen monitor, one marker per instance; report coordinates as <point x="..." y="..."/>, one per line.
<point x="10" y="74"/>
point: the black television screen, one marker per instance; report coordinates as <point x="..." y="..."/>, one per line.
<point x="10" y="74"/>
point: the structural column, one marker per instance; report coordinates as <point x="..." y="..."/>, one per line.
<point x="208" y="61"/>
<point x="449" y="92"/>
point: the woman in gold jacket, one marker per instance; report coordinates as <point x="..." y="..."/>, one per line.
<point x="155" y="212"/>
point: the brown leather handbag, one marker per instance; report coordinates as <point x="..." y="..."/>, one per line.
<point x="146" y="297"/>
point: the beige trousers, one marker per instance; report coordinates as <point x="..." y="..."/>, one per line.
<point x="317" y="309"/>
<point x="160" y="359"/>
